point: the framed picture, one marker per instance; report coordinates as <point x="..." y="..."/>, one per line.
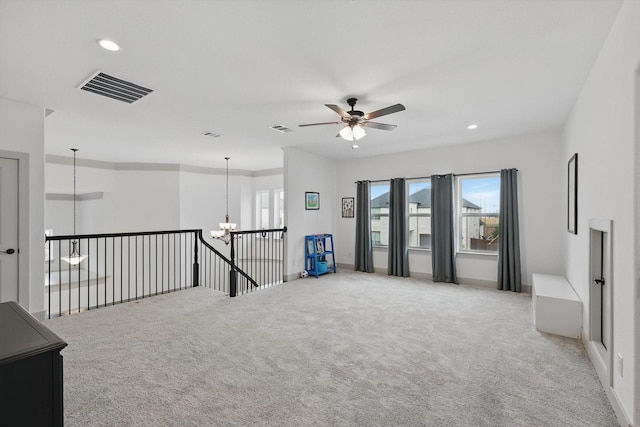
<point x="319" y="247"/>
<point x="572" y="195"/>
<point x="347" y="207"/>
<point x="311" y="201"/>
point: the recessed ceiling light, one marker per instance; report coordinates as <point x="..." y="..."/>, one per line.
<point x="472" y="126"/>
<point x="354" y="146"/>
<point x="109" y="45"/>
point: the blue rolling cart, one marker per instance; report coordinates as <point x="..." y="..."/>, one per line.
<point x="319" y="256"/>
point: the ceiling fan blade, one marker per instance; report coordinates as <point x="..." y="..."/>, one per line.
<point x="384" y="111"/>
<point x="339" y="110"/>
<point x="316" y="124"/>
<point x="382" y="126"/>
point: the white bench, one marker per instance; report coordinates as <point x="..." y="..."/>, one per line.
<point x="556" y="307"/>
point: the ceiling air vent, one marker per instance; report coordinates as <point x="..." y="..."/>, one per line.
<point x="115" y="88"/>
<point x="280" y="128"/>
<point x="212" y="135"/>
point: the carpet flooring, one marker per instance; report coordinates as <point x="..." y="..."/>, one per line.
<point x="347" y="349"/>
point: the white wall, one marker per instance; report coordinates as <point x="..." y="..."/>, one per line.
<point x="540" y="177"/>
<point x="149" y="197"/>
<point x="602" y="130"/>
<point x="22" y="130"/>
<point x="132" y="200"/>
<point x="303" y="172"/>
<point x="202" y="202"/>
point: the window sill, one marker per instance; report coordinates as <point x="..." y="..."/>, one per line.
<point x="478" y="253"/>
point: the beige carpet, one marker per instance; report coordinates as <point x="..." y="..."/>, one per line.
<point x="347" y="349"/>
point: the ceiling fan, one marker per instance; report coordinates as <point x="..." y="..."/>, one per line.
<point x="356" y="120"/>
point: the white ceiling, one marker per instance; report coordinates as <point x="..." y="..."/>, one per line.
<point x="237" y="67"/>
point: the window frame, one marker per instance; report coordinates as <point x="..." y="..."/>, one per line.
<point x="416" y="215"/>
<point x="379" y="216"/>
<point x="460" y="215"/>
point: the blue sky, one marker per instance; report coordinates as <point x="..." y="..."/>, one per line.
<point x="484" y="192"/>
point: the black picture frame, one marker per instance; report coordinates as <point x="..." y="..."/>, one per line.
<point x="348" y="207"/>
<point x="572" y="194"/>
<point x="311" y="200"/>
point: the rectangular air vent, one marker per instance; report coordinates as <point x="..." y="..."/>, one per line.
<point x="212" y="135"/>
<point x="280" y="128"/>
<point x="115" y="88"/>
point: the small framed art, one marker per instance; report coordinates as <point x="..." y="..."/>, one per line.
<point x="347" y="207"/>
<point x="311" y="201"/>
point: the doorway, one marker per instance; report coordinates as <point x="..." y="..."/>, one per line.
<point x="9" y="254"/>
<point x="600" y="295"/>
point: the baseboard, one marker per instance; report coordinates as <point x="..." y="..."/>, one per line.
<point x="292" y="276"/>
<point x="428" y="276"/>
<point x="40" y="315"/>
<point x="601" y="370"/>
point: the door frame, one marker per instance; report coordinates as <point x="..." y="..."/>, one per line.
<point x="23" y="225"/>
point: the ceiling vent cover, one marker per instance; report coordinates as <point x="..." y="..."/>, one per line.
<point x="115" y="88"/>
<point x="280" y="128"/>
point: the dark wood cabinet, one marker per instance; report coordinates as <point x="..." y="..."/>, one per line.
<point x="30" y="370"/>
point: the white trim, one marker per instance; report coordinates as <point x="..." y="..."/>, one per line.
<point x="158" y="167"/>
<point x="23" y="225"/>
<point x="604" y="226"/>
<point x="598" y="364"/>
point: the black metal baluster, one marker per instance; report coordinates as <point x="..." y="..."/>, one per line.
<point x="136" y="256"/>
<point x="196" y="266"/>
<point x="48" y="242"/>
<point x="105" y="272"/>
<point x="121" y="278"/>
<point x="128" y="268"/>
<point x="88" y="274"/>
<point x="162" y="263"/>
<point x="142" y="237"/>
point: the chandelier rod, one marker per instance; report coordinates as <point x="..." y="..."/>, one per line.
<point x="74" y="190"/>
<point x="227" y="159"/>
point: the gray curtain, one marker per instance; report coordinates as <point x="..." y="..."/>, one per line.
<point x="443" y="257"/>
<point x="398" y="232"/>
<point x="509" y="247"/>
<point x="364" y="247"/>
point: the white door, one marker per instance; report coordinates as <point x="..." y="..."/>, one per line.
<point x="8" y="229"/>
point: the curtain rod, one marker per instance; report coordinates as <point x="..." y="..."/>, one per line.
<point x="427" y="177"/>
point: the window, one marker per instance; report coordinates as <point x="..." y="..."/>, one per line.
<point x="375" y="237"/>
<point x="269" y="209"/>
<point x="478" y="208"/>
<point x="279" y="197"/>
<point x="380" y="213"/>
<point x="262" y="209"/>
<point x="419" y="213"/>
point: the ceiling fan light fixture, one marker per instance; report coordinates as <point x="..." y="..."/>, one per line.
<point x="347" y="133"/>
<point x="352" y="133"/>
<point x="358" y="132"/>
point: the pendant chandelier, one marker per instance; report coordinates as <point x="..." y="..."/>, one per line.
<point x="226" y="227"/>
<point x="74" y="258"/>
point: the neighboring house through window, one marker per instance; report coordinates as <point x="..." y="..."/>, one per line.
<point x="419" y="213"/>
<point x="479" y="208"/>
<point x="380" y="213"/>
<point x="478" y="204"/>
